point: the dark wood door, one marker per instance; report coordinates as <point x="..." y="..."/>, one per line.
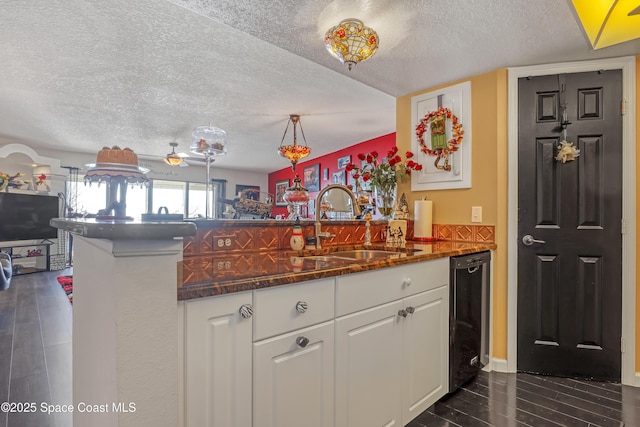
<point x="570" y="286"/>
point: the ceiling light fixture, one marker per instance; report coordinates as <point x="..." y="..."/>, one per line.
<point x="173" y="158"/>
<point x="609" y="22"/>
<point x="294" y="152"/>
<point x="351" y="42"/>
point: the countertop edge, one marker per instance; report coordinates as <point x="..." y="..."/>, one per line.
<point x="125" y="230"/>
<point x="195" y="291"/>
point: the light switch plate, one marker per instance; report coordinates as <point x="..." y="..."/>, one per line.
<point x="476" y="213"/>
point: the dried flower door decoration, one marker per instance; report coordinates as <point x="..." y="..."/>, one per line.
<point x="567" y="152"/>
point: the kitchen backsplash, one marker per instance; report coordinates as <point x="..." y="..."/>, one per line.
<point x="242" y="236"/>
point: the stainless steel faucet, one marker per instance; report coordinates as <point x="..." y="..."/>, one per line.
<point x="318" y="226"/>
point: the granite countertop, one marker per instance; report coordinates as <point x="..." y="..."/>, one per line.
<point x="125" y="230"/>
<point x="286" y="267"/>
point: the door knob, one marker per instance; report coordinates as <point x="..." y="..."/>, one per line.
<point x="528" y="240"/>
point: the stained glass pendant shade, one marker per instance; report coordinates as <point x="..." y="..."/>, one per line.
<point x="294" y="153"/>
<point x="351" y="42"/>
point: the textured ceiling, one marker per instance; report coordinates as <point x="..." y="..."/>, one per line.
<point x="80" y="74"/>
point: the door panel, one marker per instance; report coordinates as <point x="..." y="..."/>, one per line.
<point x="570" y="282"/>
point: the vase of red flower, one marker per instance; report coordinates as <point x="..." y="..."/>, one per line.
<point x="383" y="174"/>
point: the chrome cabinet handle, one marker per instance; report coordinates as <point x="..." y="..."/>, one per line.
<point x="528" y="240"/>
<point x="246" y="311"/>
<point x="302" y="341"/>
<point x="411" y="310"/>
<point x="407" y="281"/>
<point x="402" y="313"/>
<point x="301" y="307"/>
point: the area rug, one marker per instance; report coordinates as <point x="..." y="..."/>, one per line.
<point x="67" y="284"/>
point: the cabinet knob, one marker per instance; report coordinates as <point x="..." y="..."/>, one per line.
<point x="407" y="281"/>
<point x="410" y="310"/>
<point x="402" y="313"/>
<point x="301" y="307"/>
<point x="246" y="311"/>
<point x="302" y="341"/>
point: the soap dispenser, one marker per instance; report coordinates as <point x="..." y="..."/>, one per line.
<point x="297" y="239"/>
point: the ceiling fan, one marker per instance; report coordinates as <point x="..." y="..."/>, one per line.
<point x="175" y="159"/>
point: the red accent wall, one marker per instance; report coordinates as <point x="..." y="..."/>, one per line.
<point x="329" y="161"/>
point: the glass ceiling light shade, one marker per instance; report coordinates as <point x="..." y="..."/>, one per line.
<point x="351" y="42"/>
<point x="209" y="140"/>
<point x="294" y="153"/>
<point x="173" y="158"/>
<point x="609" y="22"/>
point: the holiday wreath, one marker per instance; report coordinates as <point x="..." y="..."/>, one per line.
<point x="440" y="147"/>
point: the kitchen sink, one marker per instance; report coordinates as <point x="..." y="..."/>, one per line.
<point x="371" y="254"/>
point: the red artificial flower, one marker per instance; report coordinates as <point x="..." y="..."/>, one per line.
<point x="374" y="154"/>
<point x="369" y="158"/>
<point x="394" y="149"/>
<point x="409" y="154"/>
<point x="350" y="167"/>
<point x="361" y="156"/>
<point x="410" y="164"/>
<point x="390" y="154"/>
<point x="356" y="175"/>
<point x="418" y="167"/>
<point x="366" y="177"/>
<point x="393" y="161"/>
<point x="42" y="177"/>
<point x="397" y="159"/>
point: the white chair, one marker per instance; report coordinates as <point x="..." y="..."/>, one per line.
<point x="6" y="271"/>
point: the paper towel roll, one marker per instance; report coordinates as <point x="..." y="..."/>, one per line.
<point x="423" y="219"/>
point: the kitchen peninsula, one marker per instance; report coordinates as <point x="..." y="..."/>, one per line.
<point x="144" y="329"/>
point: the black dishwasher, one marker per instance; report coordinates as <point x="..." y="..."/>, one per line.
<point x="468" y="317"/>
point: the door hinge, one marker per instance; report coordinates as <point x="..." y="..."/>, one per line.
<point x="623" y="107"/>
<point x="623" y="226"/>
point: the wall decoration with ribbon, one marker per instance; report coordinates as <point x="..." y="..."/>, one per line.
<point x="441" y="144"/>
<point x="436" y="123"/>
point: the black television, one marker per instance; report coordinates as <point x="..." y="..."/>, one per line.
<point x="27" y="216"/>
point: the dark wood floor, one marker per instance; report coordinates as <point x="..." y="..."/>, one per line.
<point x="35" y="366"/>
<point x="35" y="348"/>
<point x="498" y="399"/>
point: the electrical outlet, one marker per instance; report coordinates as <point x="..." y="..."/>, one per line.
<point x="476" y="213"/>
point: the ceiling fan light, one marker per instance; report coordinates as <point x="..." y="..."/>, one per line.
<point x="173" y="159"/>
<point x="350" y="42"/>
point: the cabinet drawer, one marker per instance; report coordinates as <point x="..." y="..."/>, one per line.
<point x="363" y="290"/>
<point x="276" y="309"/>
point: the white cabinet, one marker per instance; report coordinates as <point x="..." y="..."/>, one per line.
<point x="368" y="367"/>
<point x="365" y="349"/>
<point x="218" y="362"/>
<point x="293" y="378"/>
<point x="425" y="351"/>
<point x="391" y="359"/>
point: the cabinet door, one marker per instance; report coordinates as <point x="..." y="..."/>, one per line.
<point x="425" y="351"/>
<point x="218" y="362"/>
<point x="294" y="380"/>
<point x="368" y="367"/>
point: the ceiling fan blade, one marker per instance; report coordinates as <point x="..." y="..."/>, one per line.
<point x="183" y="155"/>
